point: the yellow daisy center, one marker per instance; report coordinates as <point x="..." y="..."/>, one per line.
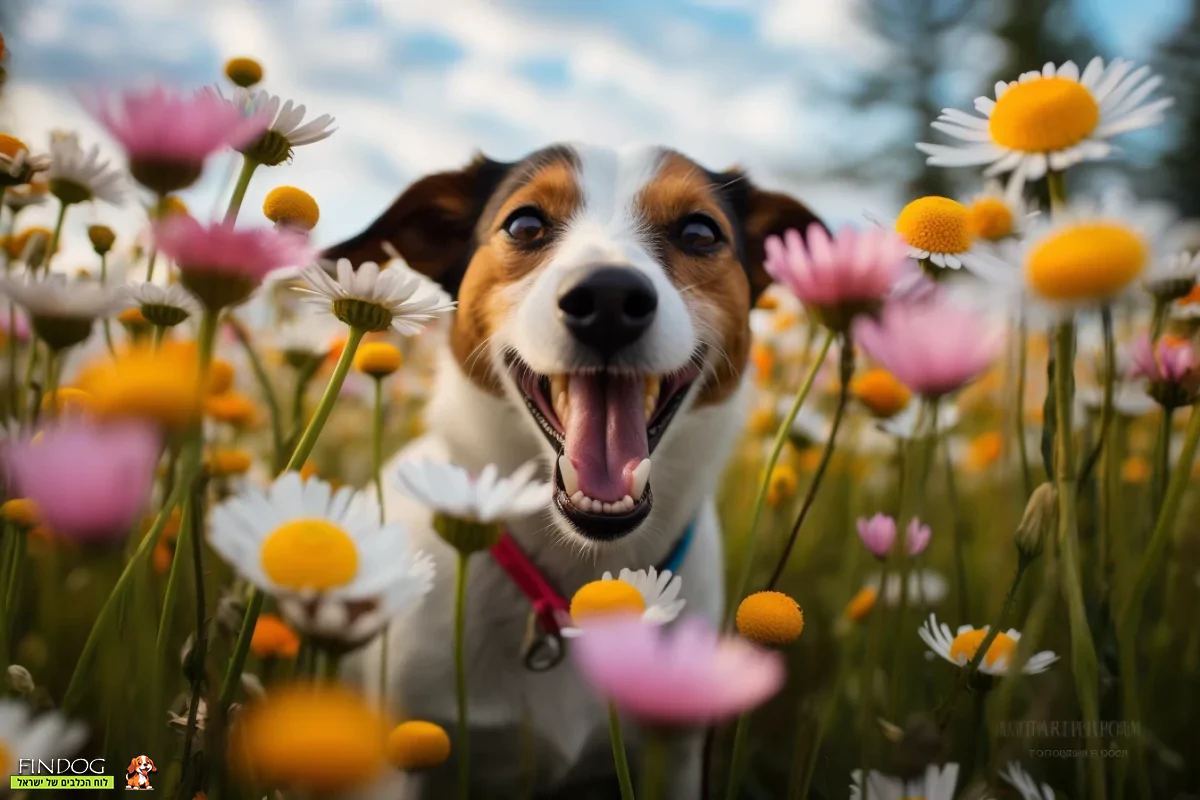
<point x="309" y="554"/>
<point x="21" y="511"/>
<point x="67" y="400"/>
<point x="417" y="744"/>
<point x="10" y="146"/>
<point x="273" y="638"/>
<point x="102" y="237"/>
<point x="770" y="618"/>
<point x="378" y="359"/>
<point x="984" y="450"/>
<point x="322" y="738"/>
<point x="1135" y="469"/>
<point x="1086" y="261"/>
<point x="880" y="392"/>
<point x="782" y="485"/>
<point x="229" y="462"/>
<point x="288" y="205"/>
<point x="606" y="598"/>
<point x="132" y="316"/>
<point x="231" y="407"/>
<point x="967" y="643"/>
<point x="1044" y="115"/>
<point x="990" y="218"/>
<point x="162" y="385"/>
<point x="243" y="71"/>
<point x="936" y="224"/>
<point x="861" y="604"/>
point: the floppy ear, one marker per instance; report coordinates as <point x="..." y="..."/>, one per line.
<point x="431" y="224"/>
<point x="760" y="214"/>
<point x="132" y="768"/>
<point x="152" y="767"/>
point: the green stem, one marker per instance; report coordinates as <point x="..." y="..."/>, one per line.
<point x="619" y="757"/>
<point x="1162" y="458"/>
<point x="304" y="377"/>
<point x="1106" y="408"/>
<point x="846" y="371"/>
<point x="107" y="324"/>
<point x="13" y="569"/>
<point x="194" y="518"/>
<point x="377" y="446"/>
<point x="823" y="723"/>
<point x="171" y="594"/>
<point x="1022" y="368"/>
<point x="655" y="760"/>
<point x="264" y="385"/>
<point x="460" y="676"/>
<point x="781" y="436"/>
<point x="54" y="237"/>
<point x="737" y="761"/>
<point x="1083" y="650"/>
<point x="866" y="688"/>
<point x="239" y="189"/>
<point x="1158" y="321"/>
<point x="160" y="332"/>
<point x="151" y="264"/>
<point x="233" y="672"/>
<point x="50" y="388"/>
<point x="1056" y="185"/>
<point x="14" y="392"/>
<point x="31" y="359"/>
<point x="960" y="561"/>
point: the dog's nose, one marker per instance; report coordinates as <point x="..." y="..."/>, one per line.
<point x="608" y="307"/>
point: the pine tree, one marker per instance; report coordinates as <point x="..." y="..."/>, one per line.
<point x="1178" y="179"/>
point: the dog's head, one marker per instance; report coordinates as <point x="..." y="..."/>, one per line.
<point x="141" y="765"/>
<point x="605" y="292"/>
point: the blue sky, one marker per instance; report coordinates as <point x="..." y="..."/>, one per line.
<point x="418" y="85"/>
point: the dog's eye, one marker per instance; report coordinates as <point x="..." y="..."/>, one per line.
<point x="698" y="234"/>
<point x="526" y="225"/>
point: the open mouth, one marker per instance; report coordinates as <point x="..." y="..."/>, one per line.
<point x="605" y="425"/>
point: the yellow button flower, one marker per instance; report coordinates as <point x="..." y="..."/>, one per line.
<point x="990" y="218"/>
<point x="220" y="376"/>
<point x="1085" y="261"/>
<point x="770" y="618"/>
<point x="861" y="604"/>
<point x="273" y="638"/>
<point x="160" y="384"/>
<point x="984" y="450"/>
<point x="229" y="461"/>
<point x="606" y="598"/>
<point x="22" y="512"/>
<point x="782" y="485"/>
<point x="1135" y="469"/>
<point x="416" y="744"/>
<point x="291" y="207"/>
<point x="880" y="392"/>
<point x="102" y="238"/>
<point x="10" y="146"/>
<point x="378" y="359"/>
<point x="243" y="71"/>
<point x="1044" y="115"/>
<point x="67" y="401"/>
<point x="314" y="737"/>
<point x="231" y="407"/>
<point x="967" y="643"/>
<point x="935" y="224"/>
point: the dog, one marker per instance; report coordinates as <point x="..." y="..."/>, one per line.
<point x="137" y="774"/>
<point x="602" y="325"/>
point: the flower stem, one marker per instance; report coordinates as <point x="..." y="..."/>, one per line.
<point x="239" y="189"/>
<point x="1158" y="321"/>
<point x="54" y="237"/>
<point x="195" y="505"/>
<point x="1106" y="407"/>
<point x="866" y="687"/>
<point x="377" y="446"/>
<point x="14" y="392"/>
<point x="655" y="759"/>
<point x="1083" y="650"/>
<point x="1022" y="368"/>
<point x="737" y="761"/>
<point x="31" y="358"/>
<point x="619" y="757"/>
<point x="107" y="323"/>
<point x="171" y="592"/>
<point x="1162" y="458"/>
<point x="264" y="385"/>
<point x="151" y="264"/>
<point x="823" y="722"/>
<point x="1056" y="186"/>
<point x="460" y="675"/>
<point x="50" y="382"/>
<point x="846" y="371"/>
<point x="781" y="436"/>
<point x="304" y="377"/>
<point x="12" y="571"/>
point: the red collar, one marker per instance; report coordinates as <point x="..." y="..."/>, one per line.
<point x="550" y="607"/>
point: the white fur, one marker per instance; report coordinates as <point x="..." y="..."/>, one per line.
<point x="470" y="427"/>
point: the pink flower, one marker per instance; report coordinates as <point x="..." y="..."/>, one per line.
<point x="850" y="273"/>
<point x="222" y="264"/>
<point x="878" y="534"/>
<point x="89" y="483"/>
<point x="160" y="128"/>
<point x="917" y="537"/>
<point x="1170" y="361"/>
<point x="14" y="325"/>
<point x="933" y="348"/>
<point x="684" y="676"/>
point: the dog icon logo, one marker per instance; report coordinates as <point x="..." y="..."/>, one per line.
<point x="137" y="774"/>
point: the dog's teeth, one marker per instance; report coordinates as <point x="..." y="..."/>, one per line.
<point x="653" y="386"/>
<point x="639" y="479"/>
<point x="608" y="508"/>
<point x="627" y="503"/>
<point x="558" y="396"/>
<point x="570" y="477"/>
<point x="577" y="498"/>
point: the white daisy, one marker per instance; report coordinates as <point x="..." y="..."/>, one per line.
<point x="911" y="423"/>
<point x="54" y="296"/>
<point x="307" y="337"/>
<point x="25" y="195"/>
<point x="1049" y="120"/>
<point x="368" y="296"/>
<point x="487" y="498"/>
<point x="939" y="230"/>
<point x="24" y="736"/>
<point x="17" y="165"/>
<point x="936" y="784"/>
<point x="335" y="571"/>
<point x="1173" y="277"/>
<point x="1024" y="783"/>
<point x="960" y="648"/>
<point x="659" y="591"/>
<point x="924" y="587"/>
<point x="77" y="176"/>
<point x="1129" y="400"/>
<point x="286" y="128"/>
<point x="163" y="305"/>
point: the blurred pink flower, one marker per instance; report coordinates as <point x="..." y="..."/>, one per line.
<point x="850" y="272"/>
<point x="14" y="325"/>
<point x="917" y="537"/>
<point x="1171" y="360"/>
<point x="878" y="534"/>
<point x="90" y="483"/>
<point x="933" y="348"/>
<point x="683" y="676"/>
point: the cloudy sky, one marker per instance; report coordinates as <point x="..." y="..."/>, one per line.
<point x="418" y="85"/>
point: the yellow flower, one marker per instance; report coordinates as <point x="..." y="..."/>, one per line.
<point x="984" y="450"/>
<point x="784" y="321"/>
<point x="762" y="421"/>
<point x="377" y="359"/>
<point x="767" y="301"/>
<point x="604" y="598"/>
<point x="243" y="71"/>
<point x="770" y="618"/>
<point x="10" y="146"/>
<point x="273" y="638"/>
<point x="102" y="238"/>
<point x="967" y="643"/>
<point x="133" y="318"/>
<point x="1044" y="115"/>
<point x="170" y="206"/>
<point x="861" y="604"/>
<point x="763" y="357"/>
<point x="810" y="459"/>
<point x="230" y="461"/>
<point x="989" y="217"/>
<point x="161" y="384"/>
<point x="1135" y="469"/>
<point x="67" y="400"/>
<point x="935" y="224"/>
<point x="16" y="245"/>
<point x="220" y="376"/>
<point x="315" y="737"/>
<point x="782" y="485"/>
<point x="1088" y="260"/>
<point x="162" y="556"/>
<point x="417" y="745"/>
<point x="231" y="407"/>
<point x="22" y="512"/>
<point x="880" y="392"/>
<point x="291" y="207"/>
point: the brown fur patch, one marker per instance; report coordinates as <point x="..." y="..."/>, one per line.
<point x="714" y="286"/>
<point x="498" y="263"/>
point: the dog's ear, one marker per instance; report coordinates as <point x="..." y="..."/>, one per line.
<point x="431" y="224"/>
<point x="132" y="768"/>
<point x="759" y="214"/>
<point x="151" y="762"/>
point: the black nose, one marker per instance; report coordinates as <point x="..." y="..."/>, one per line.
<point x="608" y="308"/>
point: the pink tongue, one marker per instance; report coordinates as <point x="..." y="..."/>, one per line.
<point x="606" y="434"/>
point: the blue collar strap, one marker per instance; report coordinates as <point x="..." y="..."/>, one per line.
<point x="674" y="559"/>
